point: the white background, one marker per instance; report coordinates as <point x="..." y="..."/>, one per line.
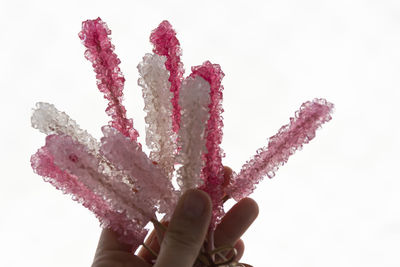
<point x="336" y="202"/>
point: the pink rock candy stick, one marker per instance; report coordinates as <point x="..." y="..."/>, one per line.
<point x="75" y="158"/>
<point x="49" y="120"/>
<point x="291" y="137"/>
<point x="150" y="179"/>
<point x="128" y="230"/>
<point x="213" y="171"/>
<point x="110" y="81"/>
<point x="166" y="44"/>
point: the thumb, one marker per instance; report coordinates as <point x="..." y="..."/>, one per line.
<point x="186" y="230"/>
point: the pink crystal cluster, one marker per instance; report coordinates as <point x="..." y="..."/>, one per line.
<point x="166" y="44"/>
<point x="115" y="179"/>
<point x="110" y="81"/>
<point x="281" y="146"/>
<point x="213" y="170"/>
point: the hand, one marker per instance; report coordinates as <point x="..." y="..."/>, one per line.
<point x="184" y="237"/>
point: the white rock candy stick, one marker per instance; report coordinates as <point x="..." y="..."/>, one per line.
<point x="194" y="101"/>
<point x="160" y="137"/>
<point x="49" y="120"/>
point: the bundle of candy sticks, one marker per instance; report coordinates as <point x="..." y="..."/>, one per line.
<point x="123" y="186"/>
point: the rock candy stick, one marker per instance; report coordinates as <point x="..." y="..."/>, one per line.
<point x="127" y="155"/>
<point x="74" y="157"/>
<point x="110" y="81"/>
<point x="194" y="101"/>
<point x="166" y="44"/>
<point x="128" y="230"/>
<point x="213" y="171"/>
<point x="49" y="120"/>
<point x="160" y="137"/>
<point x="291" y="137"/>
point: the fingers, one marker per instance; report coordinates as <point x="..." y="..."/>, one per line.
<point x="153" y="243"/>
<point x="111" y="252"/>
<point x="235" y="222"/>
<point x="185" y="235"/>
<point x="118" y="259"/>
<point x="186" y="230"/>
<point x="239" y="246"/>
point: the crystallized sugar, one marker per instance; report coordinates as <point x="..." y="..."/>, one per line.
<point x="115" y="179"/>
<point x="127" y="155"/>
<point x="44" y="164"/>
<point x="166" y="44"/>
<point x="49" y="120"/>
<point x="213" y="171"/>
<point x="110" y="81"/>
<point x="194" y="101"/>
<point x="75" y="159"/>
<point x="160" y="137"/>
<point x="291" y="137"/>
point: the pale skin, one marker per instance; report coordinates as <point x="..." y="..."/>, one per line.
<point x="185" y="234"/>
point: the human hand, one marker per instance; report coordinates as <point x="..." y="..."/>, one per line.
<point x="184" y="237"/>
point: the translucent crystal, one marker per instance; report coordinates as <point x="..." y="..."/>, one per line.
<point x="110" y="81"/>
<point x="291" y="137"/>
<point x="194" y="102"/>
<point x="49" y="120"/>
<point x="115" y="179"/>
<point x="75" y="158"/>
<point x="213" y="171"/>
<point x="155" y="188"/>
<point x="166" y="44"/>
<point x="160" y="137"/>
<point x="130" y="229"/>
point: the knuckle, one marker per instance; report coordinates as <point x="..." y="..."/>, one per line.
<point x="181" y="239"/>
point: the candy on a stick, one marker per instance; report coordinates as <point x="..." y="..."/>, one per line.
<point x="49" y="120"/>
<point x="116" y="180"/>
<point x="128" y="230"/>
<point x="127" y="155"/>
<point x="110" y="81"/>
<point x="194" y="100"/>
<point x="213" y="170"/>
<point x="291" y="137"/>
<point x="76" y="160"/>
<point x="99" y="175"/>
<point x="166" y="44"/>
<point x="160" y="137"/>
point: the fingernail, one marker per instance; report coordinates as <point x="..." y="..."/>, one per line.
<point x="194" y="204"/>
